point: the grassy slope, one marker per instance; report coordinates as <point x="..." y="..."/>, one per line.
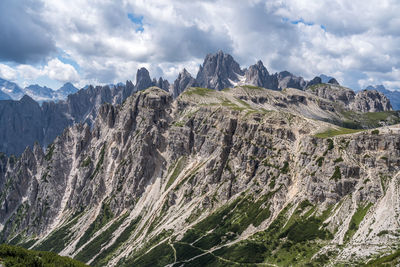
<point x="17" y="256"/>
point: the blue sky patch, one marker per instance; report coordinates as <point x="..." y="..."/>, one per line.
<point x="137" y="20"/>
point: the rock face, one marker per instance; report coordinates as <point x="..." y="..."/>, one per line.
<point x="371" y="101"/>
<point x="227" y="171"/>
<point x="363" y="101"/>
<point x="184" y="80"/>
<point x="315" y="81"/>
<point x="11" y="89"/>
<point x="218" y="71"/>
<point x="288" y="80"/>
<point x="143" y="80"/>
<point x="24" y="122"/>
<point x="333" y="81"/>
<point x="393" y="96"/>
<point x="21" y="123"/>
<point x="258" y="75"/>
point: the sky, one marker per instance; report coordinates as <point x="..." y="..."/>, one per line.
<point x="105" y="41"/>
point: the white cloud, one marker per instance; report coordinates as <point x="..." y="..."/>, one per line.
<point x="7" y="72"/>
<point x="60" y="71"/>
<point x="360" y="43"/>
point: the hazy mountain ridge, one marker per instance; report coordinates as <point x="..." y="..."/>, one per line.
<point x="393" y="96"/>
<point x="226" y="172"/>
<point x="218" y="71"/>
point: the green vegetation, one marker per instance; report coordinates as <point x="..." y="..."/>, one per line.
<point x="49" y="152"/>
<point x="231" y="105"/>
<point x="86" y="162"/>
<point x="198" y="91"/>
<point x="384" y="181"/>
<point x="186" y="251"/>
<point x="178" y="167"/>
<point x="357" y="218"/>
<point x="359" y="120"/>
<point x="319" y="161"/>
<point x="229" y="221"/>
<point x="330" y="144"/>
<point x="105" y="215"/>
<point x="161" y="255"/>
<point x="142" y="254"/>
<point x="388" y="260"/>
<point x="336" y="175"/>
<point x="251" y="87"/>
<point x="334" y="132"/>
<point x="287" y="242"/>
<point x="94" y="247"/>
<point x="59" y="238"/>
<point x="376" y="132"/>
<point x="179" y="124"/>
<point x="340" y="159"/>
<point x="285" y="168"/>
<point x="104" y="256"/>
<point x="383" y="232"/>
<point x="20" y="257"/>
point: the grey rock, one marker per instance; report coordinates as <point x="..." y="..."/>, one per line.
<point x="183" y="81"/>
<point x="288" y="80"/>
<point x="371" y="101"/>
<point x="258" y="75"/>
<point x="218" y="71"/>
<point x="333" y="81"/>
<point x="143" y="80"/>
<point x="316" y="80"/>
<point x="393" y="96"/>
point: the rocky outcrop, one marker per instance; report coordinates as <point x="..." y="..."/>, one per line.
<point x="393" y="96"/>
<point x="21" y="123"/>
<point x="315" y="81"/>
<point x="230" y="170"/>
<point x="363" y="101"/>
<point x="24" y="122"/>
<point x="183" y="81"/>
<point x="333" y="81"/>
<point x="371" y="101"/>
<point x="143" y="80"/>
<point x="258" y="75"/>
<point x="218" y="71"/>
<point x="288" y="80"/>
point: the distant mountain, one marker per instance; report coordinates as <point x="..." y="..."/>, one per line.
<point x="11" y="89"/>
<point x="65" y="90"/>
<point x="22" y="122"/>
<point x="39" y="93"/>
<point x="325" y="78"/>
<point x="394" y="96"/>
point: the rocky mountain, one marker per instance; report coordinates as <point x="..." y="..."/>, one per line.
<point x="218" y="71"/>
<point x="11" y="89"/>
<point x="393" y="96"/>
<point x="40" y="93"/>
<point x="211" y="178"/>
<point x="67" y="89"/>
<point x="184" y="80"/>
<point x="325" y="78"/>
<point x="363" y="101"/>
<point x="258" y="75"/>
<point x="22" y="127"/>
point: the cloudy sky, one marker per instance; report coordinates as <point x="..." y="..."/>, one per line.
<point x="105" y="41"/>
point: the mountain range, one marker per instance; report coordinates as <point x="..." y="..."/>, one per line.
<point x="11" y="91"/>
<point x="393" y="96"/>
<point x="25" y="121"/>
<point x="243" y="176"/>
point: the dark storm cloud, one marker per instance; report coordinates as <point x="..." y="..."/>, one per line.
<point x="24" y="36"/>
